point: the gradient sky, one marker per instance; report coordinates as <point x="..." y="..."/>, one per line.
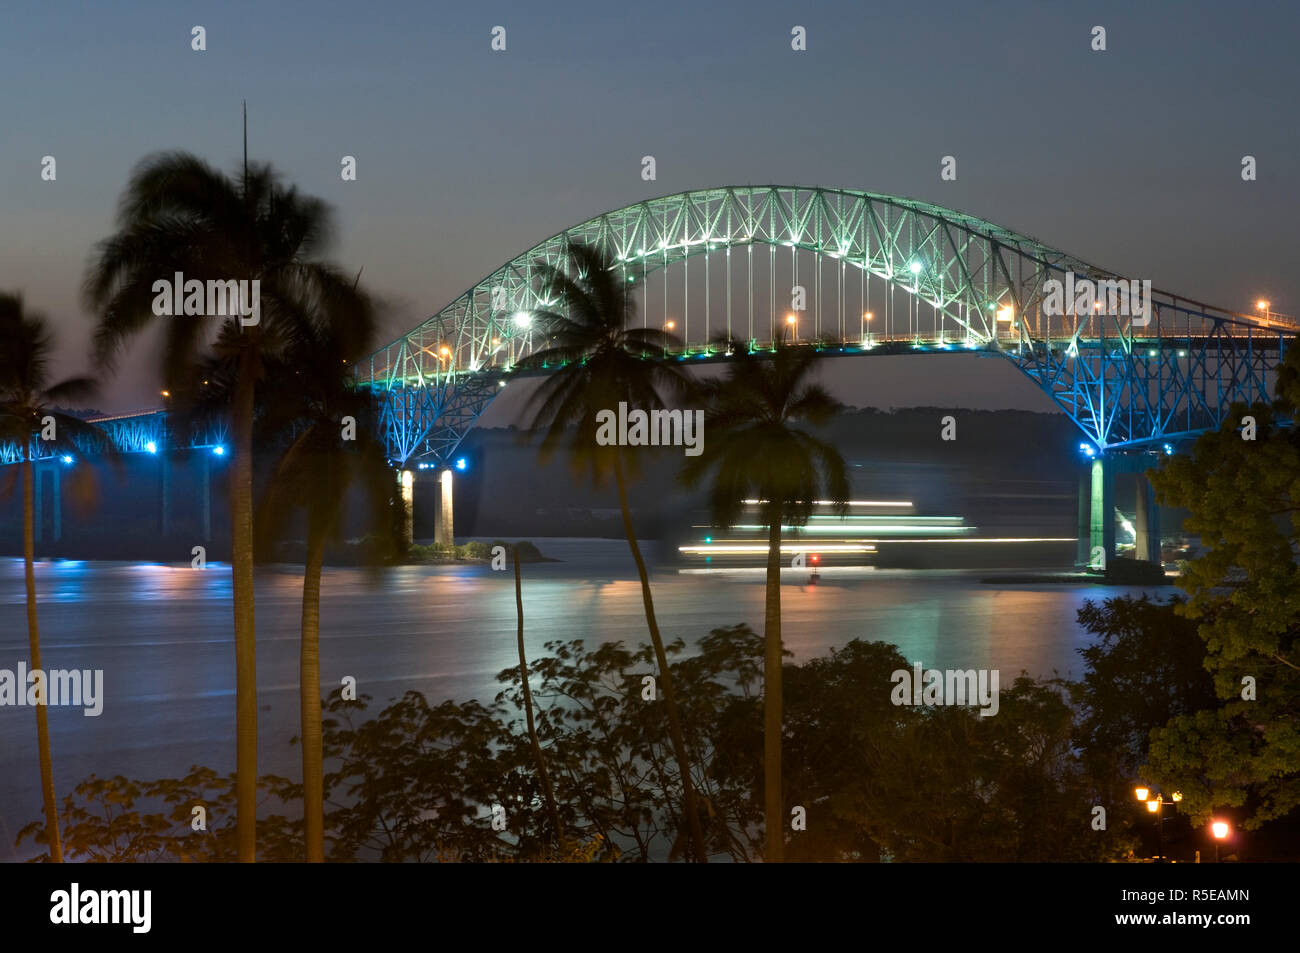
<point x="1128" y="158"/>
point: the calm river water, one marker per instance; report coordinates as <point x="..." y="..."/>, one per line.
<point x="162" y="636"/>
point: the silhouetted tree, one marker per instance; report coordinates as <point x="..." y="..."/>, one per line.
<point x="27" y="397"/>
<point x="756" y="450"/>
<point x="180" y="215"/>
<point x="601" y="360"/>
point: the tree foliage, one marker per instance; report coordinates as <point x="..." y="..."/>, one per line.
<point x="1243" y="497"/>
<point x="418" y="781"/>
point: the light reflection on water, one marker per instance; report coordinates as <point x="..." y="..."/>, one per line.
<point x="162" y="635"/>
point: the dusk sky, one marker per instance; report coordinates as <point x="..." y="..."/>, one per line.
<point x="1129" y="158"/>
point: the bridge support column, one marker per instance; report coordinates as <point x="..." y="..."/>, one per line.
<point x="39" y="502"/>
<point x="1085" y="518"/>
<point x="38" y="524"/>
<point x="406" y="479"/>
<point x="444" y="529"/>
<point x="165" y="518"/>
<point x="1147" y="522"/>
<point x="56" y="506"/>
<point x="205" y="498"/>
<point x="1101" y="525"/>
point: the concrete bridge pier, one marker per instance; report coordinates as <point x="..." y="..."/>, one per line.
<point x="406" y="480"/>
<point x="1085" y="518"/>
<point x="444" y="529"/>
<point x="443" y="525"/>
<point x="38" y="524"/>
<point x="165" y="475"/>
<point x="1147" y="522"/>
<point x="39" y="471"/>
<point x="205" y="498"/>
<point x="1101" y="512"/>
<point x="1097" y="510"/>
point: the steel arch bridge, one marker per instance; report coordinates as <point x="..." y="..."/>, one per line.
<point x="967" y="283"/>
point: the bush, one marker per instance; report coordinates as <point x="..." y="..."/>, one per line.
<point x="1124" y="572"/>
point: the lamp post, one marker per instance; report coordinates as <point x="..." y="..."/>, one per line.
<point x="1156" y="806"/>
<point x="793" y="321"/>
<point x="1220" y="830"/>
<point x="866" y="319"/>
<point x="668" y="329"/>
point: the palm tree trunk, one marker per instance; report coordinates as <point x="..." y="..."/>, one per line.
<point x="241" y="560"/>
<point x="665" y="676"/>
<point x="34" y="649"/>
<point x="773" y="812"/>
<point x="313" y="785"/>
<point x="528" y="708"/>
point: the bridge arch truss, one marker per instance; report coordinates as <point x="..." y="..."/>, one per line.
<point x="982" y="287"/>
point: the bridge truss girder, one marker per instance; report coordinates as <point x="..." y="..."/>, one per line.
<point x="988" y="283"/>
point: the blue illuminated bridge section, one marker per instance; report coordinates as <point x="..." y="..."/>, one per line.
<point x="849" y="273"/>
<point x="147" y="432"/>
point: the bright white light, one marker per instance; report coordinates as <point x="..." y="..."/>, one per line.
<point x="850" y="502"/>
<point x="762" y="548"/>
<point x="523" y="319"/>
<point x="67" y="459"/>
<point x="219" y="451"/>
<point x="151" y="447"/>
<point x="915" y="267"/>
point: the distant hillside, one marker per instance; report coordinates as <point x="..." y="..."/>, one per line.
<point x="1004" y="467"/>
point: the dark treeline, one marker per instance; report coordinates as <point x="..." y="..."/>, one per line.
<point x="1008" y="471"/>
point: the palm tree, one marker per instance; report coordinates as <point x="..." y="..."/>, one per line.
<point x="547" y="791"/>
<point x="180" y="215"/>
<point x="603" y="360"/>
<point x="757" y="451"/>
<point x="310" y="397"/>
<point x="26" y="401"/>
